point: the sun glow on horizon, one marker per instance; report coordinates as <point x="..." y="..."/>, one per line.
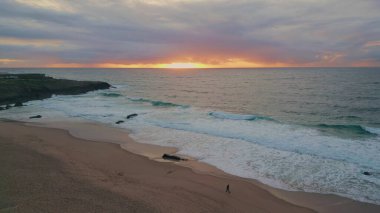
<point x="162" y="66"/>
<point x="181" y="65"/>
<point x="230" y="63"/>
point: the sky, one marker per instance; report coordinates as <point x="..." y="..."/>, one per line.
<point x="189" y="33"/>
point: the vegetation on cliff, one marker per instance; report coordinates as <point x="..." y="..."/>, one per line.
<point x="19" y="88"/>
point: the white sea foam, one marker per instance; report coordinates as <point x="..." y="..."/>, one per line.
<point x="373" y="130"/>
<point x="232" y="116"/>
<point x="282" y="169"/>
<point x="281" y="155"/>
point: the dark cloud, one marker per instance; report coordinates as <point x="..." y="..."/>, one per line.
<point x="303" y="32"/>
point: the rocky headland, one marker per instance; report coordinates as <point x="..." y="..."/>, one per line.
<point x="16" y="89"/>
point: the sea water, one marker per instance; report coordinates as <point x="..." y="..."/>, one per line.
<point x="306" y="129"/>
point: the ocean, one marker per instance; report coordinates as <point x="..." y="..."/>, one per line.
<point x="302" y="129"/>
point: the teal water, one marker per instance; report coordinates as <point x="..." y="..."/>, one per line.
<point x="302" y="95"/>
<point x="308" y="129"/>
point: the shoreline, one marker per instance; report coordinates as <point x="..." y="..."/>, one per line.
<point x="47" y="169"/>
<point x="120" y="136"/>
<point x="105" y="133"/>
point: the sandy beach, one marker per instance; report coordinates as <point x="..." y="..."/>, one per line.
<point x="49" y="170"/>
<point x="190" y="106"/>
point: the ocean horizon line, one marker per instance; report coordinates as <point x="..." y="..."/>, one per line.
<point x="162" y="68"/>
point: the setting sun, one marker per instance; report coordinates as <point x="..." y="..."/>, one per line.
<point x="182" y="65"/>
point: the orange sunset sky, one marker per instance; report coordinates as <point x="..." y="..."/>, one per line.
<point x="189" y="34"/>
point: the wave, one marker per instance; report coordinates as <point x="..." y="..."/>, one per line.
<point x="193" y="91"/>
<point x="232" y="116"/>
<point x="283" y="155"/>
<point x="156" y="103"/>
<point x="373" y="130"/>
<point x="353" y="129"/>
<point x="351" y="117"/>
<point x="366" y="109"/>
<point x="274" y="135"/>
<point x="113" y="95"/>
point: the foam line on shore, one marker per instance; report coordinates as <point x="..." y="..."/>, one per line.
<point x="84" y="130"/>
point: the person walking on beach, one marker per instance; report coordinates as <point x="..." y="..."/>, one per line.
<point x="228" y="188"/>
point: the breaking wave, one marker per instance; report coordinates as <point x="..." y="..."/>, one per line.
<point x="231" y="116"/>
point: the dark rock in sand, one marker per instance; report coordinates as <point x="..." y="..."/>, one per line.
<point x="20" y="88"/>
<point x="119" y="122"/>
<point x="172" y="157"/>
<point x="366" y="173"/>
<point x="131" y="116"/>
<point x="36" y="116"/>
<point x="7" y="106"/>
<point x="2" y="108"/>
<point x="18" y="104"/>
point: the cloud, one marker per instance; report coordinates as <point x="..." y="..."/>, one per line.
<point x="294" y="32"/>
<point x="48" y="5"/>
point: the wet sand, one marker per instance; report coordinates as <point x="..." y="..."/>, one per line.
<point x="47" y="169"/>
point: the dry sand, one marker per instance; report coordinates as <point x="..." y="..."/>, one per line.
<point x="48" y="170"/>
